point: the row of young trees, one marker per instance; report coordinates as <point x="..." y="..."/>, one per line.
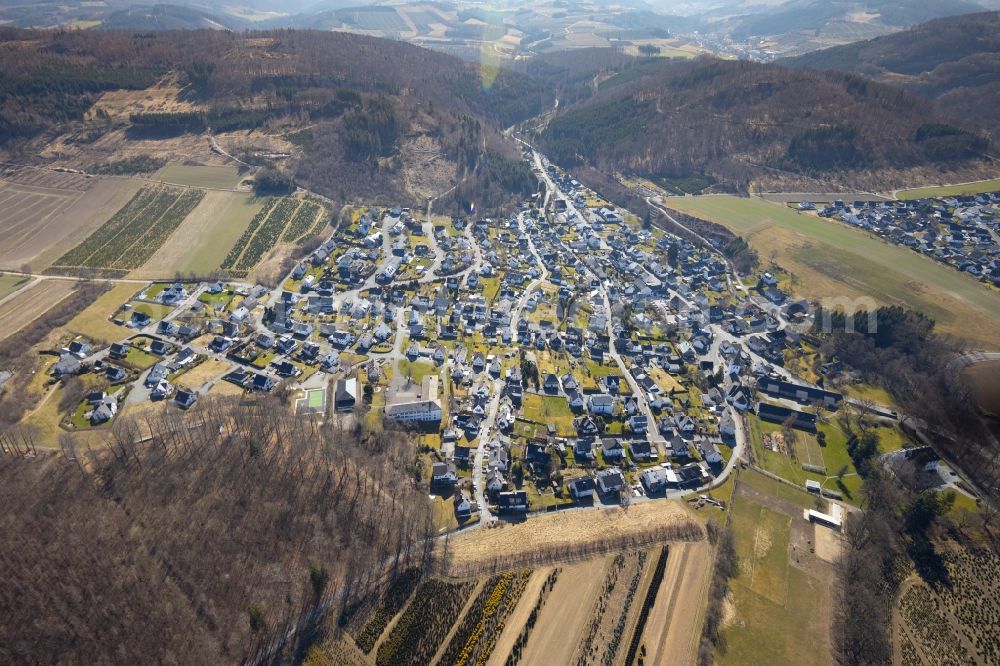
<point x="201" y="538"/>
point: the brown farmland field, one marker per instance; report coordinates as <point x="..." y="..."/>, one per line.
<point x="43" y="213"/>
<point x="26" y="306"/>
<point x="520" y="615"/>
<point x="565" y="615"/>
<point x="672" y="629"/>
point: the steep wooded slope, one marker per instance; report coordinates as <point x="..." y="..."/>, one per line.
<point x="741" y="122"/>
<point x="955" y="61"/>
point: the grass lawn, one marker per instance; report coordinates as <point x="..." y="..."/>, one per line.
<point x="951" y="190"/>
<point x="831" y="260"/>
<point x="44" y="421"/>
<point x="11" y="283"/>
<point x="201" y="373"/>
<point x="212" y="177"/>
<point x="891" y="438"/>
<point x="548" y="409"/>
<point x="776" y="607"/>
<point x="876" y="394"/>
<point x="93" y="322"/>
<point x="416" y="370"/>
<point x="219" y="301"/>
<point x="598" y="370"/>
<point x="78" y="419"/>
<point x="766" y="484"/>
<point x="154" y="310"/>
<point x="542" y="500"/>
<point x="491" y="287"/>
<point x="665" y="380"/>
<point x="140" y="359"/>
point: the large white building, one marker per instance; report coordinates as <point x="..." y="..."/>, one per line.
<point x="428" y="408"/>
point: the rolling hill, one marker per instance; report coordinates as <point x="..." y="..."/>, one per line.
<point x="748" y="125"/>
<point x="169" y="17"/>
<point x="798" y="26"/>
<point x="954" y="61"/>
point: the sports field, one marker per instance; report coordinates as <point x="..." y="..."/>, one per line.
<point x="831" y="260"/>
<point x="951" y="190"/>
<point x="211" y="177"/>
<point x="204" y="237"/>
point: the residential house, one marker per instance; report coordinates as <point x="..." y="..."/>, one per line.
<point x="185" y="399"/>
<point x="611" y="482"/>
<point x="583" y="489"/>
<point x="346" y="394"/>
<point x="515" y="501"/>
<point x="601" y="404"/>
<point x="443" y="475"/>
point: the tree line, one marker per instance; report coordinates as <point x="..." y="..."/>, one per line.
<point x="917" y="366"/>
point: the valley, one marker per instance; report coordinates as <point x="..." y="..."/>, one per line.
<point x="324" y="348"/>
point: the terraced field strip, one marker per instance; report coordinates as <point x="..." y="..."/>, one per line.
<point x="30" y="304"/>
<point x="672" y="627"/>
<point x="515" y="623"/>
<point x="268" y="233"/>
<point x="566" y="614"/>
<point x="135" y="232"/>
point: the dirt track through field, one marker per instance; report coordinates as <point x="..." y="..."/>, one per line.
<point x="671" y="630"/>
<point x="566" y="614"/>
<point x="516" y="621"/>
<point x="30" y="304"/>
